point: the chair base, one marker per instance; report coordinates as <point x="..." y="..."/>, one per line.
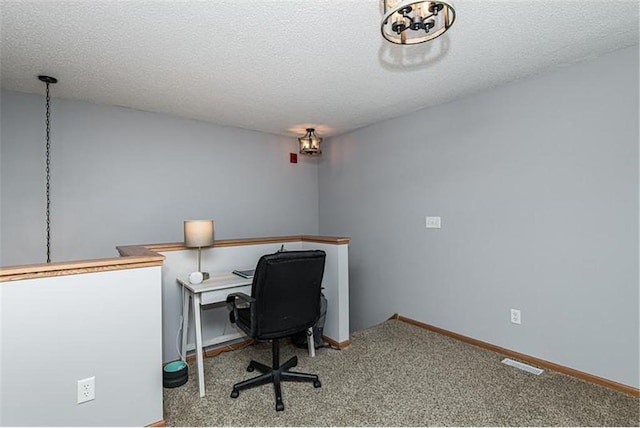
<point x="275" y="375"/>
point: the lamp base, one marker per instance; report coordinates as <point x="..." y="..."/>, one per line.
<point x="198" y="277"/>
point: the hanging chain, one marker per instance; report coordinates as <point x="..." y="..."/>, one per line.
<point x="48" y="122"/>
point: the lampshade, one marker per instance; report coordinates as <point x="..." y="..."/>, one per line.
<point x="310" y="143"/>
<point x="407" y="22"/>
<point x="198" y="233"/>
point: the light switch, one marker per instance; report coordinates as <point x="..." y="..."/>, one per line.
<point x="433" y="222"/>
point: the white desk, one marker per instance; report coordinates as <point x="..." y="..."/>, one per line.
<point x="227" y="255"/>
<point x="214" y="290"/>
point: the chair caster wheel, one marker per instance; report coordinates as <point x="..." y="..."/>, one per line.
<point x="279" y="407"/>
<point x="235" y="393"/>
<point x="316" y="384"/>
<point x="250" y="368"/>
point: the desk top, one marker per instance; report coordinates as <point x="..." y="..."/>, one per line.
<point x="218" y="281"/>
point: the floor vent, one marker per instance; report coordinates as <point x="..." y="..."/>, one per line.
<point x="522" y="366"/>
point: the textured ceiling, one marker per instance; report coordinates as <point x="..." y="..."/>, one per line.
<point x="279" y="66"/>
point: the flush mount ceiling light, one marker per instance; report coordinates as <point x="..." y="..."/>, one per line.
<point x="408" y="22"/>
<point x="310" y="143"/>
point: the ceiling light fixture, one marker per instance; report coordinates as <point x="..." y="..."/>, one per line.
<point x="310" y="143"/>
<point x="408" y="22"/>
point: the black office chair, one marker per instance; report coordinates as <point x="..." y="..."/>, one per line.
<point x="285" y="299"/>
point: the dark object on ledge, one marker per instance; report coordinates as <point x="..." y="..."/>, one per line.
<point x="284" y="301"/>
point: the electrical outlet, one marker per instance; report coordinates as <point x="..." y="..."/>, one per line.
<point x="86" y="389"/>
<point x="515" y="316"/>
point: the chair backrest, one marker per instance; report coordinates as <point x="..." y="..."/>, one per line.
<point x="286" y="286"/>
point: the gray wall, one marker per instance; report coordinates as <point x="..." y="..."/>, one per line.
<point x="537" y="186"/>
<point x="122" y="176"/>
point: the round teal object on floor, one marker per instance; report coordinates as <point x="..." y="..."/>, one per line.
<point x="175" y="373"/>
<point x="174" y="366"/>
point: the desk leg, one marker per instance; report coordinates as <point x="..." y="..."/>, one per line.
<point x="310" y="342"/>
<point x="185" y="321"/>
<point x="199" y="358"/>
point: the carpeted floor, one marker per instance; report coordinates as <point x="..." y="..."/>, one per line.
<point x="396" y="374"/>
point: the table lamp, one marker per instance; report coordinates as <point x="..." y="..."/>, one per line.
<point x="198" y="233"/>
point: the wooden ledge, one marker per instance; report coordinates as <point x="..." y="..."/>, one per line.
<point x="337" y="240"/>
<point x="137" y="251"/>
<point x="43" y="270"/>
<point x="134" y="250"/>
<point x="137" y="256"/>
